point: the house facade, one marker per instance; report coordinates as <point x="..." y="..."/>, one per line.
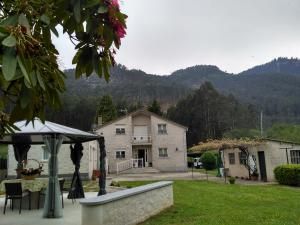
<point x="65" y="165"/>
<point x="144" y="139"/>
<point x="267" y="156"/>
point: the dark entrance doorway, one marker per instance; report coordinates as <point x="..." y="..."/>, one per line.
<point x="141" y="155"/>
<point x="262" y="166"/>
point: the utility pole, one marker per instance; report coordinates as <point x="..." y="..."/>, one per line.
<point x="261" y="123"/>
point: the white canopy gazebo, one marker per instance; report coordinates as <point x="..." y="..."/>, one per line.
<point x="53" y="136"/>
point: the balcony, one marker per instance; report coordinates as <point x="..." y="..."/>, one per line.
<point x="141" y="140"/>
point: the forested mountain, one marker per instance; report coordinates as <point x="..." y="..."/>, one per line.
<point x="273" y="87"/>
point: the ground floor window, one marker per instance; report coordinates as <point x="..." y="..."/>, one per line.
<point x="120" y="154"/>
<point x="163" y="152"/>
<point x="231" y="158"/>
<point x="295" y="156"/>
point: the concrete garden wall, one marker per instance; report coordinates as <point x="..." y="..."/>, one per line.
<point x="127" y="207"/>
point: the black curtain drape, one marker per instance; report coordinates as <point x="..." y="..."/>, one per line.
<point x="102" y="178"/>
<point x="76" y="190"/>
<point x="21" y="148"/>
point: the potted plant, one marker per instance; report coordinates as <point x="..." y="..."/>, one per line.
<point x="254" y="175"/>
<point x="231" y="180"/>
<point x="31" y="173"/>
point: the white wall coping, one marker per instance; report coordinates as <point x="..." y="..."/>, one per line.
<point x="100" y="200"/>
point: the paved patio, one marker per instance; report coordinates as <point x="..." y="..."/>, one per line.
<point x="72" y="213"/>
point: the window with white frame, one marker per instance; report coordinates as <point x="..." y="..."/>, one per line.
<point x="231" y="157"/>
<point x="162" y="128"/>
<point x="120" y="129"/>
<point x="46" y="154"/>
<point x="295" y="156"/>
<point x="120" y="154"/>
<point x="163" y="152"/>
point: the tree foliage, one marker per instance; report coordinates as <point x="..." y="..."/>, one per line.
<point x="209" y="160"/>
<point x="284" y="132"/>
<point x="30" y="77"/>
<point x="155" y="108"/>
<point x="208" y="114"/>
<point x="106" y="109"/>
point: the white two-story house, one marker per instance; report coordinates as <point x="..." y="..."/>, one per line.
<point x="144" y="139"/>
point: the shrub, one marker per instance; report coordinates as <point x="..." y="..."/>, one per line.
<point x="288" y="174"/>
<point x="115" y="184"/>
<point x="208" y="160"/>
<point x="231" y="180"/>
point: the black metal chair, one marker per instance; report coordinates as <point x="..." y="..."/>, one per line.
<point x="61" y="187"/>
<point x="14" y="191"/>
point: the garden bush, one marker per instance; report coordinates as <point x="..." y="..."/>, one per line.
<point x="288" y="174"/>
<point x="209" y="160"/>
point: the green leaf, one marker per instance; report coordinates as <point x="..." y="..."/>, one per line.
<point x="9" y="63"/>
<point x="44" y="18"/>
<point x="2" y="35"/>
<point x="24" y="22"/>
<point x="77" y="11"/>
<point x="91" y="3"/>
<point x="89" y="68"/>
<point x="103" y="9"/>
<point x="25" y="98"/>
<point x="10" y="21"/>
<point x="54" y="31"/>
<point x="40" y="80"/>
<point x="23" y="69"/>
<point x="10" y="41"/>
<point x="33" y="78"/>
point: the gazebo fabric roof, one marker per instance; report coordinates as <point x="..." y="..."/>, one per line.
<point x="33" y="133"/>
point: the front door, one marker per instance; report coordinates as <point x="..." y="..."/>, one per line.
<point x="141" y="155"/>
<point x="262" y="165"/>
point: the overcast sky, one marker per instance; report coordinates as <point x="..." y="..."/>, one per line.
<point x="166" y="35"/>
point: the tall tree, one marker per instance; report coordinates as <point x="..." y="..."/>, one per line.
<point x="30" y="77"/>
<point x="106" y="109"/>
<point x="208" y="114"/>
<point x="155" y="108"/>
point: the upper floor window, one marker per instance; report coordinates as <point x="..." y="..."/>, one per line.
<point x="162" y="128"/>
<point x="243" y="158"/>
<point x="231" y="158"/>
<point x="120" y="154"/>
<point x="120" y="129"/>
<point x="295" y="156"/>
<point x="163" y="152"/>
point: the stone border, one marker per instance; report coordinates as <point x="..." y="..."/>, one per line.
<point x="100" y="200"/>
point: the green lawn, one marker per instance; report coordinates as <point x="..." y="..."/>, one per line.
<point x="209" y="203"/>
<point x="209" y="172"/>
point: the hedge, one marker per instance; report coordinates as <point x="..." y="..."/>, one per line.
<point x="288" y="174"/>
<point x="209" y="160"/>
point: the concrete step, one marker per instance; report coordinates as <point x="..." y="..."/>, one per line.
<point x="140" y="170"/>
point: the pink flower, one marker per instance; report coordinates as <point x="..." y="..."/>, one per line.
<point x="120" y="31"/>
<point x="115" y="3"/>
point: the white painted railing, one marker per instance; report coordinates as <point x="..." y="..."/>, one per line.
<point x="129" y="164"/>
<point x="141" y="139"/>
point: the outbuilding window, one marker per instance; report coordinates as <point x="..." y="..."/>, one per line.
<point x="295" y="156"/>
<point x="243" y="158"/>
<point x="231" y="157"/>
<point x="120" y="130"/>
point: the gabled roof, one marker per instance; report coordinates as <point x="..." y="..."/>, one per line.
<point x="34" y="132"/>
<point x="142" y="111"/>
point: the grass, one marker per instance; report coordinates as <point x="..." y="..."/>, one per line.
<point x="209" y="203"/>
<point x="209" y="172"/>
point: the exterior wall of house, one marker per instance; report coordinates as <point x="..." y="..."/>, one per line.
<point x="275" y="155"/>
<point x="174" y="141"/>
<point x="114" y="142"/>
<point x="65" y="165"/>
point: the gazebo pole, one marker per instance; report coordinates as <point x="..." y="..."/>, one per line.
<point x="53" y="205"/>
<point x="102" y="178"/>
